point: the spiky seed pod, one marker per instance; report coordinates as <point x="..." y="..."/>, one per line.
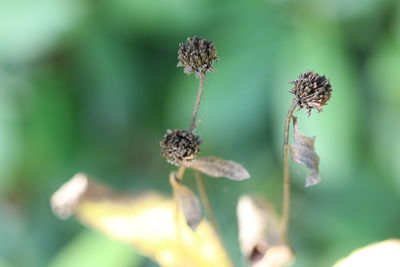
<point x="180" y="146"/>
<point x="197" y="55"/>
<point x="312" y="91"/>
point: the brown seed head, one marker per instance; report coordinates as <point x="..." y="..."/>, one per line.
<point x="197" y="55"/>
<point x="180" y="146"/>
<point x="312" y="91"/>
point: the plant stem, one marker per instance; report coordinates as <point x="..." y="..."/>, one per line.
<point x="286" y="177"/>
<point x="178" y="176"/>
<point x="173" y="179"/>
<point x="209" y="211"/>
<point x="180" y="173"/>
<point x="204" y="198"/>
<point x="197" y="104"/>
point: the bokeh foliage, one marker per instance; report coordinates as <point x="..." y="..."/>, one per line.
<point x="92" y="85"/>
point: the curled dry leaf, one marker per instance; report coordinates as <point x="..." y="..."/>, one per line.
<point x="259" y="234"/>
<point x="217" y="167"/>
<point x="303" y="152"/>
<point x="382" y="254"/>
<point x="188" y="202"/>
<point x="147" y="221"/>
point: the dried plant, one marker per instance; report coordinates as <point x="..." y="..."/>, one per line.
<point x="184" y="236"/>
<point x="197" y="56"/>
<point x="181" y="147"/>
<point x="311" y="91"/>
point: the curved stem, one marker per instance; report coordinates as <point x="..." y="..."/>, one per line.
<point x="180" y="173"/>
<point x="286" y="177"/>
<point x="197" y="104"/>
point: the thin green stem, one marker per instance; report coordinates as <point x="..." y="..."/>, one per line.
<point x="286" y="177"/>
<point x="197" y="104"/>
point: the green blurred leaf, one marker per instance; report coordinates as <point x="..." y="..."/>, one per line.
<point x="30" y="29"/>
<point x="90" y="249"/>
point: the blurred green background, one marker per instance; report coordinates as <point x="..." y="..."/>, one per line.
<point x="93" y="85"/>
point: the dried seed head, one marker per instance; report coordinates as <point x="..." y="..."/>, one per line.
<point x="197" y="55"/>
<point x="312" y="91"/>
<point x="180" y="146"/>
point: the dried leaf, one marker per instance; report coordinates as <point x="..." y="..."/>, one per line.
<point x="188" y="202"/>
<point x="147" y="221"/>
<point x="303" y="152"/>
<point x="382" y="254"/>
<point x="259" y="234"/>
<point x="217" y="167"/>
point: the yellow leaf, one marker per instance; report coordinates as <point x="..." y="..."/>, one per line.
<point x="382" y="254"/>
<point x="147" y="221"/>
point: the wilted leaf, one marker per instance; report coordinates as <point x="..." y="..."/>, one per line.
<point x="259" y="234"/>
<point x="217" y="167"/>
<point x="382" y="254"/>
<point x="188" y="202"/>
<point x="147" y="221"/>
<point x="303" y="152"/>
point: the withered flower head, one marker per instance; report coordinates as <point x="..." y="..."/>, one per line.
<point x="312" y="91"/>
<point x="197" y="55"/>
<point x="179" y="146"/>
